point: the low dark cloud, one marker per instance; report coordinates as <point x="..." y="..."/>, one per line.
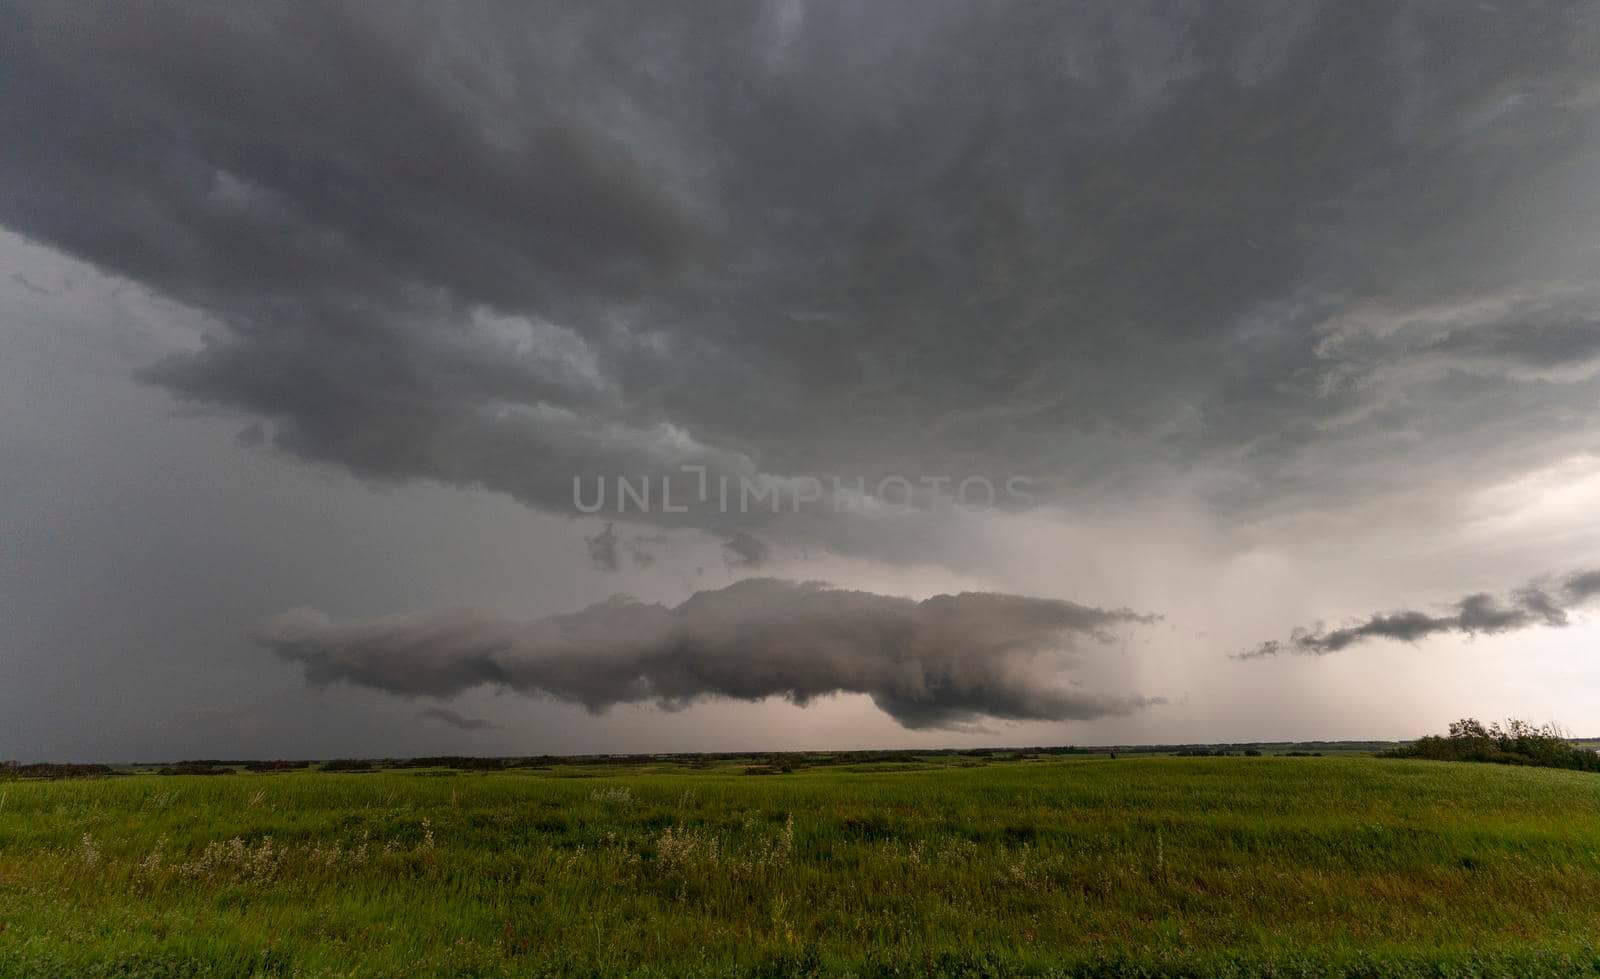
<point x="1582" y="585"/>
<point x="943" y="662"/>
<point x="745" y="550"/>
<point x="604" y="548"/>
<point x="1536" y="604"/>
<point x="642" y="548"/>
<point x="445" y="715"/>
<point x="608" y="547"/>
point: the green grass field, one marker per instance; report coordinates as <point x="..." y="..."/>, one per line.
<point x="1079" y="865"/>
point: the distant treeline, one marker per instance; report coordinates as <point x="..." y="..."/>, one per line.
<point x="212" y="766"/>
<point x="1205" y="752"/>
<point x="50" y="770"/>
<point x="1515" y="743"/>
<point x="755" y="762"/>
<point x="791" y="760"/>
<point x="690" y="759"/>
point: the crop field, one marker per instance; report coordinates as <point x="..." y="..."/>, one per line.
<point x="1076" y="866"/>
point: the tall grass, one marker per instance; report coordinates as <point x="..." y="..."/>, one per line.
<point x="1142" y="866"/>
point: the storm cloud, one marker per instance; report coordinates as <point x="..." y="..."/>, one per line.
<point x="1481" y="613"/>
<point x="445" y="715"/>
<point x="943" y="662"/>
<point x="1123" y="245"/>
<point x="1269" y="306"/>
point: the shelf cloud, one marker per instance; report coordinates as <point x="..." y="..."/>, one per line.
<point x="946" y="661"/>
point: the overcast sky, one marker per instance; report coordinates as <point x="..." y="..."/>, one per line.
<point x="1117" y="372"/>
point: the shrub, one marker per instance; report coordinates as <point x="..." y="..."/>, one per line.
<point x="1515" y="743"/>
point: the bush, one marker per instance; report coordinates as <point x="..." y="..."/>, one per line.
<point x="1516" y="743"/>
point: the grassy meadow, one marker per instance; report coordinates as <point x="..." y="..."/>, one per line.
<point x="1076" y="865"/>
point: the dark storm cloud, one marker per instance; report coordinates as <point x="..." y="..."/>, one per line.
<point x="1532" y="605"/>
<point x="1101" y="245"/>
<point x="942" y="662"/>
<point x="445" y="715"/>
